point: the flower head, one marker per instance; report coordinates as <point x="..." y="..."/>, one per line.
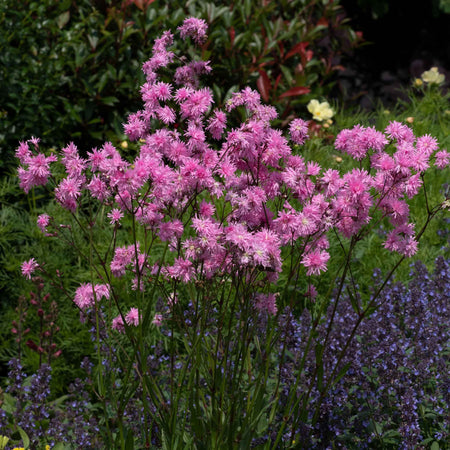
<point x="118" y="325"/>
<point x="299" y="131"/>
<point x="132" y="318"/>
<point x="320" y="111"/>
<point x="194" y="28"/>
<point x="43" y="220"/>
<point x="115" y="215"/>
<point x="433" y="76"/>
<point x="28" y="267"/>
<point x="316" y="262"/>
<point x="157" y="320"/>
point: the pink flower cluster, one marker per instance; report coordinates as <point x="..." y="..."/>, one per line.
<point x="229" y="199"/>
<point x="35" y="168"/>
<point x="86" y="295"/>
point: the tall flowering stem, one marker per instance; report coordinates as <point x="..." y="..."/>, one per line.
<point x="211" y="233"/>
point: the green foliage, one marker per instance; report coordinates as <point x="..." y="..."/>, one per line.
<point x="83" y="54"/>
<point x="289" y="50"/>
<point x="70" y="71"/>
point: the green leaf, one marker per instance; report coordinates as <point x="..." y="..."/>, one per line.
<point x="24" y="437"/>
<point x="62" y="19"/>
<point x="435" y="446"/>
<point x="93" y="41"/>
<point x="9" y="403"/>
<point x="110" y="101"/>
<point x="287" y="74"/>
<point x="341" y="373"/>
<point x="129" y="443"/>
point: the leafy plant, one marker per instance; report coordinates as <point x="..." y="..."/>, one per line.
<point x="215" y="232"/>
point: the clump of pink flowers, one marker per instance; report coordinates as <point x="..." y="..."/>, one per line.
<point x="192" y="166"/>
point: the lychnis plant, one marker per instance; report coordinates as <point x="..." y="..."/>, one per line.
<point x="200" y="245"/>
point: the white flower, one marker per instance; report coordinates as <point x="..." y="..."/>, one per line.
<point x="433" y="76"/>
<point x="320" y="111"/>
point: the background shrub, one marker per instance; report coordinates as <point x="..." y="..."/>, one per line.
<point x="71" y="70"/>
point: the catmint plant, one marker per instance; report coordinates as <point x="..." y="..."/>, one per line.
<point x="215" y="228"/>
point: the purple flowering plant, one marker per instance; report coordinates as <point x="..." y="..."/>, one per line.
<point x="214" y="230"/>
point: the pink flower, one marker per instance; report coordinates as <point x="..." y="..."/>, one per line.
<point x="37" y="173"/>
<point x="118" y="325"/>
<point x="357" y="141"/>
<point x="400" y="132"/>
<point x="23" y="152"/>
<point x="115" y="215"/>
<point x="189" y="74"/>
<point x="299" y="131"/>
<point x="311" y="292"/>
<point x="132" y="318"/>
<point x="181" y="270"/>
<point x="98" y="188"/>
<point x="72" y="161"/>
<point x="157" y="320"/>
<point x="43" y="220"/>
<point x="28" y="268"/>
<point x="196" y="104"/>
<point x="123" y="256"/>
<point x="316" y="262"/>
<point x="68" y="192"/>
<point x="194" y="28"/>
<point x="86" y="294"/>
<point x="267" y="303"/>
<point x="163" y="91"/>
<point x="206" y="209"/>
<point x="166" y="115"/>
<point x="217" y="124"/>
<point x="402" y="240"/>
<point x="426" y="144"/>
<point x="442" y="159"/>
<point x="135" y="127"/>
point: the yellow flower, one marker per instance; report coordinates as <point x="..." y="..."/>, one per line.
<point x="124" y="144"/>
<point x="410" y="119"/>
<point x="418" y="82"/>
<point x="433" y="76"/>
<point x="320" y="111"/>
<point x="18" y="448"/>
